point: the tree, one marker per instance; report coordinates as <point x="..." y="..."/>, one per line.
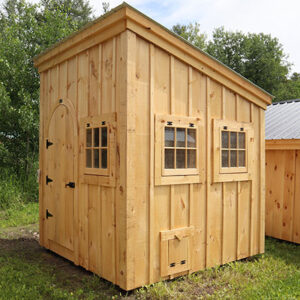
<point x="258" y="57"/>
<point x="289" y="89"/>
<point x="191" y="33"/>
<point x="78" y="11"/>
<point x="105" y="6"/>
<point x="26" y="30"/>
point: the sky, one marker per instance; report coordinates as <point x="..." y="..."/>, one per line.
<point x="276" y="17"/>
<point x="280" y="18"/>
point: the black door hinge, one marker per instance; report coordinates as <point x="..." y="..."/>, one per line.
<point x="48" y="143"/>
<point x="48" y="215"/>
<point x="48" y="179"/>
<point x="71" y="184"/>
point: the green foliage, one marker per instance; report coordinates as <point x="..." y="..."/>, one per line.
<point x="27" y="272"/>
<point x="19" y="214"/>
<point x="28" y="29"/>
<point x="258" y="57"/>
<point x="105" y="6"/>
<point x="16" y="190"/>
<point x="191" y="33"/>
<point x="289" y="89"/>
<point x="274" y="275"/>
<point x="78" y="12"/>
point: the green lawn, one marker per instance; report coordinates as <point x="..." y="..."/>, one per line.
<point x="20" y="214"/>
<point x="29" y="272"/>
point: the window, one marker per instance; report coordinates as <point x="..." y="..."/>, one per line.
<point x="180" y="148"/>
<point x="233" y="149"/>
<point x="233" y="143"/>
<point x="177" y="151"/>
<point x="98" y="148"/>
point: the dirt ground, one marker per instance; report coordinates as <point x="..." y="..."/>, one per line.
<point x="24" y="241"/>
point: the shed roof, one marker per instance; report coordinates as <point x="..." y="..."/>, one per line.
<point x="126" y="17"/>
<point x="283" y="120"/>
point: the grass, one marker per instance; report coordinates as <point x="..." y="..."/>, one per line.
<point x="19" y="214"/>
<point x="28" y="271"/>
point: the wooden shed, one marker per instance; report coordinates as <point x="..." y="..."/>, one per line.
<point x="152" y="153"/>
<point x="283" y="170"/>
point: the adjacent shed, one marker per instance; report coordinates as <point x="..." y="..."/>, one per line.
<point x="152" y="153"/>
<point x="283" y="170"/>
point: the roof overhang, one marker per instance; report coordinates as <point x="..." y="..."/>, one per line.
<point x="125" y="17"/>
<point x="290" y="144"/>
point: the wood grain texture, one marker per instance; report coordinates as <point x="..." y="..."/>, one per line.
<point x="118" y="226"/>
<point x="282" y="194"/>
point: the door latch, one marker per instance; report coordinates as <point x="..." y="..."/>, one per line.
<point x="71" y="185"/>
<point x="48" y="179"/>
<point x="48" y="214"/>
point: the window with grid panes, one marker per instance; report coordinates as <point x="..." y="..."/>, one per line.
<point x="233" y="149"/>
<point x="178" y="156"/>
<point x="180" y="148"/>
<point x="233" y="144"/>
<point x="96" y="149"/>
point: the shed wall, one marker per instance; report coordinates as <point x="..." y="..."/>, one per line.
<point x="117" y="229"/>
<point x="93" y="85"/>
<point x="283" y="194"/>
<point x="228" y="217"/>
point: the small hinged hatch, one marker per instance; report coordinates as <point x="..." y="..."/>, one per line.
<point x="175" y="250"/>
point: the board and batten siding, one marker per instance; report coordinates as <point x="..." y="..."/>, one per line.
<point x="91" y="83"/>
<point x="228" y="217"/>
<point x="117" y="229"/>
<point x="282" y="190"/>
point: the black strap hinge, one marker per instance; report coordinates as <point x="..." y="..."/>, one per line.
<point x="48" y="143"/>
<point x="48" y="214"/>
<point x="48" y="179"/>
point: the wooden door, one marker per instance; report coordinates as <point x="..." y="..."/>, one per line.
<point x="60" y="183"/>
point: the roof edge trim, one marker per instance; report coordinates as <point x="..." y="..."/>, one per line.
<point x="125" y="11"/>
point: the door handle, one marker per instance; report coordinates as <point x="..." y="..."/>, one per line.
<point x="71" y="185"/>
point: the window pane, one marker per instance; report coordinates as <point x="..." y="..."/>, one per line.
<point x="89" y="137"/>
<point x="233" y="158"/>
<point x="169" y="137"/>
<point x="180" y="137"/>
<point x="104" y="137"/>
<point x="191" y="159"/>
<point x="104" y="159"/>
<point x="225" y="160"/>
<point x="242" y="140"/>
<point x="96" y="137"/>
<point x="180" y="158"/>
<point x="169" y="159"/>
<point x="191" y="138"/>
<point x="88" y="158"/>
<point x="225" y="135"/>
<point x="242" y="156"/>
<point x="233" y="139"/>
<point x="96" y="158"/>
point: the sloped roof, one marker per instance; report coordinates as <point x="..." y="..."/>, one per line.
<point x="283" y="120"/>
<point x="125" y="17"/>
